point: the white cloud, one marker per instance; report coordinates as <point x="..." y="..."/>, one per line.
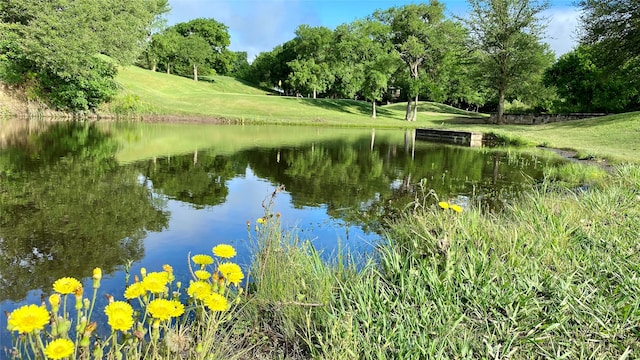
<point x="562" y="30"/>
<point x="254" y="26"/>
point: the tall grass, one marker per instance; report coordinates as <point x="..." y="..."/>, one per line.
<point x="290" y="288"/>
<point x="554" y="275"/>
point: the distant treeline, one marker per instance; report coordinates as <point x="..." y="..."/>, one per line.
<point x="66" y="54"/>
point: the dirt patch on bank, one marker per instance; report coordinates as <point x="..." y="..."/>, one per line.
<point x="572" y="156"/>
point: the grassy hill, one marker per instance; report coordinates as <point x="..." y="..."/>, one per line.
<point x="614" y="137"/>
<point x="227" y="98"/>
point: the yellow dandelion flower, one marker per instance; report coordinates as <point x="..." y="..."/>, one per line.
<point x="456" y="208"/>
<point x="216" y="302"/>
<point x="97" y="273"/>
<point x="167" y="268"/>
<point x="202" y="274"/>
<point x="134" y="290"/>
<point x="199" y="289"/>
<point x="59" y="349"/>
<point x="28" y="318"/>
<point x="231" y="272"/>
<point x="54" y="300"/>
<point x="119" y="315"/>
<point x="224" y="251"/>
<point x="261" y="221"/>
<point x="155" y="282"/>
<point x="444" y="205"/>
<point x="163" y="309"/>
<point x="202" y="259"/>
<point x="66" y="285"/>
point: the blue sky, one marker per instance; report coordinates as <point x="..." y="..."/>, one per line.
<point x="260" y="25"/>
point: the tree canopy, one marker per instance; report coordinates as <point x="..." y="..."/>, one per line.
<point x="614" y="25"/>
<point x="192" y="47"/>
<point x="507" y="35"/>
<point x="50" y="46"/>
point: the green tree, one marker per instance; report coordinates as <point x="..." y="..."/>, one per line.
<point x="310" y="71"/>
<point x="367" y="62"/>
<point x="614" y="25"/>
<point x="216" y="35"/>
<point x="60" y="41"/>
<point x="419" y="33"/>
<point x="507" y="35"/>
<point x="195" y="52"/>
<point x="165" y="46"/>
<point x="240" y="65"/>
<point x="272" y="68"/>
<point x="585" y="86"/>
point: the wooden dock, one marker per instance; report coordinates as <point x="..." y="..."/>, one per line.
<point x="465" y="138"/>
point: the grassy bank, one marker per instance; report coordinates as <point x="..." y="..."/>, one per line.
<point x="554" y="275"/>
<point x="227" y="98"/>
<point x="612" y="137"/>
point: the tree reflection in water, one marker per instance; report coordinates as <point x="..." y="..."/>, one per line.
<point x="68" y="207"/>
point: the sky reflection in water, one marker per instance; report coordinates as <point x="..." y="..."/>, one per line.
<point x="338" y="189"/>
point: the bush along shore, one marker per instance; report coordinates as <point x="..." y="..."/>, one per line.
<point x="554" y="274"/>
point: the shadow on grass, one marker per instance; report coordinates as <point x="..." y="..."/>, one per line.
<point x="427" y="106"/>
<point x="348" y="106"/>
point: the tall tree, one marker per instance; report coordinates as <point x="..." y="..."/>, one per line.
<point x="195" y="52"/>
<point x="419" y="33"/>
<point x="507" y="33"/>
<point x="165" y="47"/>
<point x="311" y="70"/>
<point x="57" y="42"/>
<point x="614" y="25"/>
<point x="585" y="86"/>
<point x="216" y="36"/>
<point x="364" y="65"/>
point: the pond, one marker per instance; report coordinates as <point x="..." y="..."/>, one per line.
<point x="76" y="195"/>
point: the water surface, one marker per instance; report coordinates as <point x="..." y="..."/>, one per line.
<point x="79" y="195"/>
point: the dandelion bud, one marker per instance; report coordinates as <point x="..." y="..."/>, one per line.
<point x="82" y="324"/>
<point x="54" y="300"/>
<point x="167" y="268"/>
<point x="63" y="326"/>
<point x="109" y="298"/>
<point x="87" y="303"/>
<point x="143" y="272"/>
<point x="97" y="276"/>
<point x="179" y="285"/>
<point x="155" y="330"/>
<point x="78" y="294"/>
<point x="85" y="341"/>
<point x="97" y="352"/>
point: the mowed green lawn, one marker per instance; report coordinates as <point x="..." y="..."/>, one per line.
<point x="615" y="137"/>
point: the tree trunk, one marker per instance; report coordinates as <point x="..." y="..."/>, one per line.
<point x="415" y="109"/>
<point x="168" y="68"/>
<point x="154" y="67"/>
<point x="373" y="114"/>
<point x="314" y="93"/>
<point x="195" y="72"/>
<point x="500" y="119"/>
<point x="408" y="114"/>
